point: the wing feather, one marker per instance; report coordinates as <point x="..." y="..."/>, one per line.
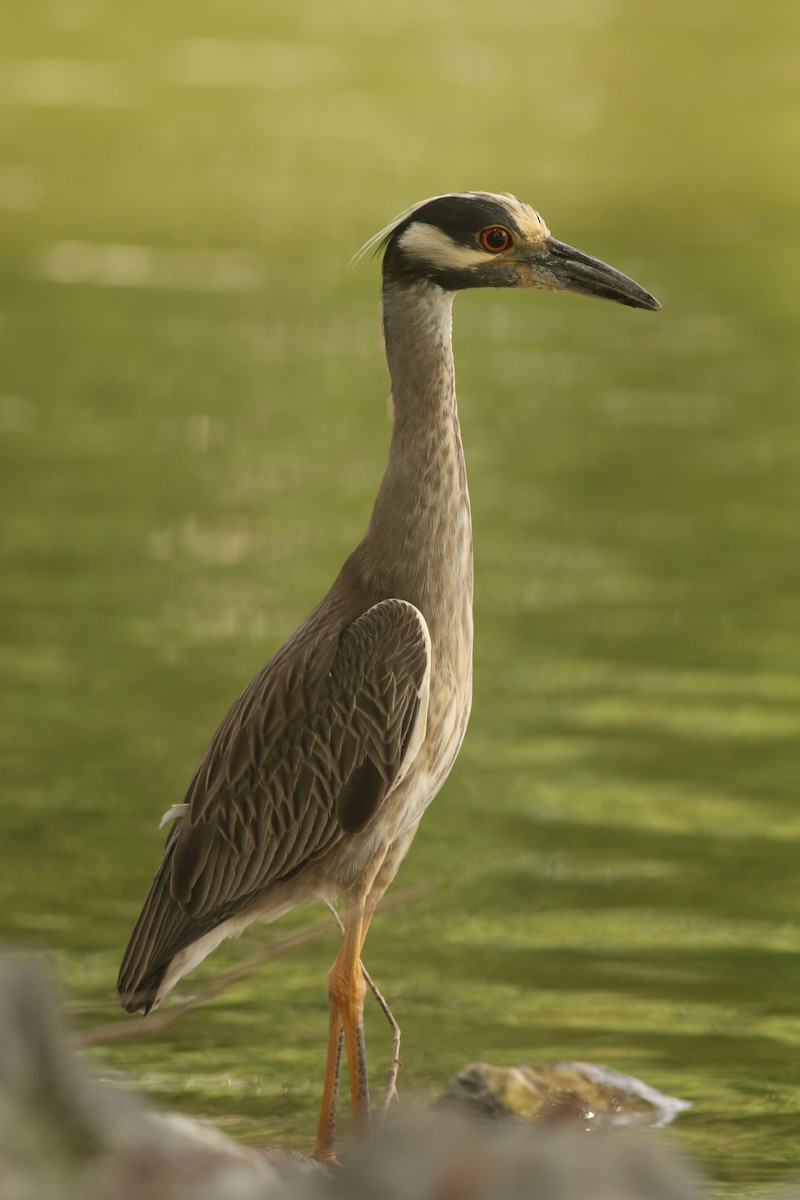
<point x="304" y="759"/>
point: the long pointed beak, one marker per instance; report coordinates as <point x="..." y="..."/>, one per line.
<point x="564" y="268"/>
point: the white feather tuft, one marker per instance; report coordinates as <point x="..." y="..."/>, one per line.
<point x="172" y="814"/>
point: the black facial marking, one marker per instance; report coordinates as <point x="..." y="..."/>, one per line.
<point x="460" y="217"/>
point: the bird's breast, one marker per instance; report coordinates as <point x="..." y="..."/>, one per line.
<point x="448" y="713"/>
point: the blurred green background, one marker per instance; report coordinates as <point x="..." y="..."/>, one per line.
<point x="193" y="425"/>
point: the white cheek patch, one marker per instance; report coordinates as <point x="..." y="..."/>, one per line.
<point x="426" y="243"/>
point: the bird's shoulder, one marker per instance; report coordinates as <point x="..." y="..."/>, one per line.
<point x="346" y="668"/>
<point x="312" y="746"/>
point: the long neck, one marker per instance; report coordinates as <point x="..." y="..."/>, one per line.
<point x="419" y="539"/>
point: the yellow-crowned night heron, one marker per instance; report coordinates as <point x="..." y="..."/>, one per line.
<point x="316" y="780"/>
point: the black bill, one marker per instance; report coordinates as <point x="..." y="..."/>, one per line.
<point x="575" y="271"/>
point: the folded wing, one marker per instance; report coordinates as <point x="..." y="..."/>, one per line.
<point x="304" y="759"/>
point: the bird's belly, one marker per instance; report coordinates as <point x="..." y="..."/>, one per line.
<point x="447" y="724"/>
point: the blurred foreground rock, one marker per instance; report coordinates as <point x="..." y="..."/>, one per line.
<point x="66" y="1136"/>
<point x="448" y="1158"/>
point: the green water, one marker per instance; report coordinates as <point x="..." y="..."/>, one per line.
<point x="189" y="447"/>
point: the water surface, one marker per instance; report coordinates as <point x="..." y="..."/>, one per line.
<point x="192" y="427"/>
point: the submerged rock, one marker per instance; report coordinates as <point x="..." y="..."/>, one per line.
<point x="595" y="1095"/>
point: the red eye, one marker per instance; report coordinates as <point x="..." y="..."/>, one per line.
<point x="495" y="239"/>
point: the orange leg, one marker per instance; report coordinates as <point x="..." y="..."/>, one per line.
<point x="346" y="988"/>
<point x="325" y="1148"/>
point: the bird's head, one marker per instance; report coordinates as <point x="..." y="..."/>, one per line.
<point x="479" y="239"/>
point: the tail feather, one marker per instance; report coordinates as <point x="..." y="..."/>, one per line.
<point x="161" y="931"/>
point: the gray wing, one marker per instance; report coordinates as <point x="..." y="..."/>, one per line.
<point x="305" y="757"/>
